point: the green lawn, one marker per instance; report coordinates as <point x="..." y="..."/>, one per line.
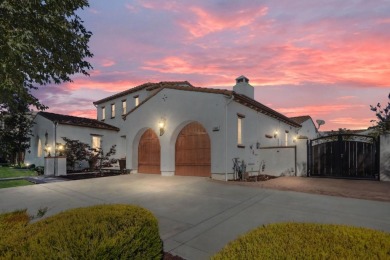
<point x="6" y="172"/>
<point x="14" y="183"/>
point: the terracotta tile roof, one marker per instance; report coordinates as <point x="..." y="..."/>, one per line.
<point x="77" y="121"/>
<point x="242" y="99"/>
<point x="148" y="86"/>
<point x="300" y="119"/>
<point x="251" y="103"/>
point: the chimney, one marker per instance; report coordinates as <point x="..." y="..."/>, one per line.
<point x="243" y="87"/>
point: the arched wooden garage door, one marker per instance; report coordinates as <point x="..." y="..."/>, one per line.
<point x="149" y="153"/>
<point x="193" y="155"/>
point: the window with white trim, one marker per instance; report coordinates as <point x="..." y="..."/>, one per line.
<point x="112" y="110"/>
<point x="136" y="101"/>
<point x="124" y="109"/>
<point x="96" y="141"/>
<point x="103" y="113"/>
<point x="240" y="119"/>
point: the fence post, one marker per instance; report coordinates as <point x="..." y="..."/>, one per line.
<point x="308" y="144"/>
<point x="377" y="157"/>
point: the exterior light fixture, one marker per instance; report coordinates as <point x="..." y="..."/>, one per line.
<point x="48" y="150"/>
<point x="161" y="125"/>
<point x="295" y="139"/>
<point x="276" y="134"/>
<point x="60" y="148"/>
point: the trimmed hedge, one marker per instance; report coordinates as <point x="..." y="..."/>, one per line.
<point x="99" y="232"/>
<point x="308" y="241"/>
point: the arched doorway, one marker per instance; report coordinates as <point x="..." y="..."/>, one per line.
<point x="149" y="153"/>
<point x="192" y="151"/>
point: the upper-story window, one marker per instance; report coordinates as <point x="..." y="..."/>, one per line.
<point x="112" y="110"/>
<point x="240" y="119"/>
<point x="136" y="101"/>
<point x="103" y="113"/>
<point x="124" y="109"/>
<point x="286" y="138"/>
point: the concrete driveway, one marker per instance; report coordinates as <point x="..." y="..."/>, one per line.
<point x="197" y="217"/>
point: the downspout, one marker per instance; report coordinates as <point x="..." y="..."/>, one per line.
<point x="226" y="136"/>
<point x="55" y="148"/>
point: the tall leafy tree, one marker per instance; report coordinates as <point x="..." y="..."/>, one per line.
<point x="41" y="42"/>
<point x="16" y="132"/>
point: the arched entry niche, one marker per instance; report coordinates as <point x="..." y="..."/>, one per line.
<point x="193" y="151"/>
<point x="149" y="153"/>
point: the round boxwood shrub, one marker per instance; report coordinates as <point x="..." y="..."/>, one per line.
<point x="98" y="232"/>
<point x="308" y="241"/>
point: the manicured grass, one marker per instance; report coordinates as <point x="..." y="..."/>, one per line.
<point x="14" y="183"/>
<point x="7" y="172"/>
<point x="308" y="241"/>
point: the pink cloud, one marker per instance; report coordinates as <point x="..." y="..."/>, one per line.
<point x="347" y="97"/>
<point x="316" y="110"/>
<point x="351" y="122"/>
<point x="108" y="63"/>
<point x="206" y="22"/>
<point x="114" y="86"/>
<point x="90" y="113"/>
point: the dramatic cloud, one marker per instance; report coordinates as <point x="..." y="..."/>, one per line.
<point x="326" y="58"/>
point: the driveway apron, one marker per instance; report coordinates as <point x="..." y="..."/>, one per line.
<point x="197" y="217"/>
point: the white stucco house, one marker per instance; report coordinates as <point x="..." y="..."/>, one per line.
<point x="174" y="128"/>
<point x="49" y="128"/>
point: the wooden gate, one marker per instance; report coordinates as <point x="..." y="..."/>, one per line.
<point x="149" y="153"/>
<point x="193" y="155"/>
<point x="344" y="156"/>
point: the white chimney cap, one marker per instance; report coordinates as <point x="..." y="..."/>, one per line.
<point x="242" y="78"/>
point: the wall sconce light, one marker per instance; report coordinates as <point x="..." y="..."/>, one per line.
<point x="60" y="149"/>
<point x="48" y="149"/>
<point x="276" y="134"/>
<point x="295" y="139"/>
<point x="161" y="125"/>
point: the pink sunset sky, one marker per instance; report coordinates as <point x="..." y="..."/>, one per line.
<point x="325" y="58"/>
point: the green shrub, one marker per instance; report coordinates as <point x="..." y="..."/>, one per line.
<point x="11" y="224"/>
<point x="99" y="232"/>
<point x="308" y="241"/>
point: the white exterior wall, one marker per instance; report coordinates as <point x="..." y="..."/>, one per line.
<point x="41" y="126"/>
<point x="179" y="108"/>
<point x="301" y="157"/>
<point x="130" y="101"/>
<point x="83" y="134"/>
<point x="384" y="168"/>
<point x="308" y="129"/>
<point x="279" y="161"/>
<point x="255" y="126"/>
